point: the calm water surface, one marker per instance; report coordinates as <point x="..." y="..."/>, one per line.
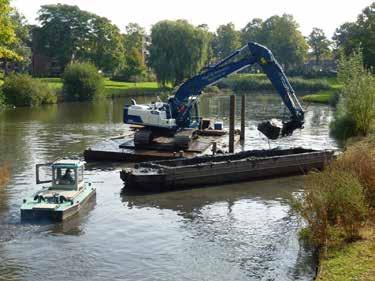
<point x="234" y="232"/>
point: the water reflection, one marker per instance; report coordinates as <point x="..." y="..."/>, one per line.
<point x="236" y="232"/>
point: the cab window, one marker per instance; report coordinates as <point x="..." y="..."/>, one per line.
<point x="64" y="176"/>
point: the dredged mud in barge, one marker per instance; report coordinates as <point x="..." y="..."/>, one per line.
<point x="217" y="169"/>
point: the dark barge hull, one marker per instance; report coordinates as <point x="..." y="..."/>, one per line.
<point x="211" y="170"/>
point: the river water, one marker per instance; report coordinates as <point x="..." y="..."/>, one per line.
<point x="234" y="232"/>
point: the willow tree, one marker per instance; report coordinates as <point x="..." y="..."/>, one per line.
<point x="178" y="50"/>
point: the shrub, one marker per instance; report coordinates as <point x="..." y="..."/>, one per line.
<point x="333" y="201"/>
<point x="82" y="81"/>
<point x="356" y="108"/>
<point x="23" y="90"/>
<point x="360" y="160"/>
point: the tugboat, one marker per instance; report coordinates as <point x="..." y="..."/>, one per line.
<point x="64" y="197"/>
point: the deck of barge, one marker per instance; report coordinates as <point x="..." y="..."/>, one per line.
<point x="122" y="149"/>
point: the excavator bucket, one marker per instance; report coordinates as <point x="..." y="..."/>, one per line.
<point x="274" y="128"/>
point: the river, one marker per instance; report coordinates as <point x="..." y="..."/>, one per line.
<point x="234" y="232"/>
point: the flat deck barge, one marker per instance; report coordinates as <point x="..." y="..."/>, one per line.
<point x="122" y="149"/>
<point x="226" y="168"/>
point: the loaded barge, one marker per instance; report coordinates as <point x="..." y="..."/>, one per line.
<point x="226" y="168"/>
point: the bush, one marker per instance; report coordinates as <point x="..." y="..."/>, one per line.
<point x="360" y="160"/>
<point x="82" y="81"/>
<point x="246" y="82"/>
<point x="356" y="108"/>
<point x="337" y="200"/>
<point x="333" y="203"/>
<point x="23" y="90"/>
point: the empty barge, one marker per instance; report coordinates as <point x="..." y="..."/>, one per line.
<point x="209" y="170"/>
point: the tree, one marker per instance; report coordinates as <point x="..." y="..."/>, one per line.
<point x="352" y="35"/>
<point x="226" y="41"/>
<point x="23" y="43"/>
<point x="7" y="33"/>
<point x="318" y="43"/>
<point x="107" y="51"/>
<point x="134" y="44"/>
<point x="70" y="34"/>
<point x="178" y="50"/>
<point x="281" y="35"/>
<point x="252" y="32"/>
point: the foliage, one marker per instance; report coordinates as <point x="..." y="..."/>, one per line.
<point x="281" y="35"/>
<point x="359" y="159"/>
<point x="82" y="81"/>
<point x="333" y="205"/>
<point x="250" y="82"/>
<point x="318" y="43"/>
<point x="134" y="43"/>
<point x="7" y="33"/>
<point x="226" y="41"/>
<point x="356" y="110"/>
<point x="350" y="35"/>
<point x="2" y="98"/>
<point x="70" y="34"/>
<point x="23" y="90"/>
<point x="338" y="200"/>
<point x="178" y="50"/>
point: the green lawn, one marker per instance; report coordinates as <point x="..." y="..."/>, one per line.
<point x="355" y="261"/>
<point x="113" y="87"/>
<point x="320" y="97"/>
<point x="325" y="96"/>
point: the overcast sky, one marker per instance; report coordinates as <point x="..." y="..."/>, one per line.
<point x="325" y="14"/>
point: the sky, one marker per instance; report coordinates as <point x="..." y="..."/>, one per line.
<point x="325" y="14"/>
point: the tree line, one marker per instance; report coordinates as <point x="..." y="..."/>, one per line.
<point x="173" y="50"/>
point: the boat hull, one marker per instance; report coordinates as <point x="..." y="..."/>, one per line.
<point x="56" y="215"/>
<point x="177" y="174"/>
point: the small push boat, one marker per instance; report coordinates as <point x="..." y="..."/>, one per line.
<point x="62" y="199"/>
<point x="225" y="168"/>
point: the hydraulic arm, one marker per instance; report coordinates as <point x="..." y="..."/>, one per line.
<point x="176" y="114"/>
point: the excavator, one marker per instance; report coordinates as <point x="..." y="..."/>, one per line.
<point x="178" y="117"/>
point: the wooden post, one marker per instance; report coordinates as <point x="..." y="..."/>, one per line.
<point x="232" y="110"/>
<point x="242" y="136"/>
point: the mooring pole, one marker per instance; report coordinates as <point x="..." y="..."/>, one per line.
<point x="242" y="136"/>
<point x="232" y="110"/>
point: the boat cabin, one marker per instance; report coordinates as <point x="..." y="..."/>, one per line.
<point x="67" y="174"/>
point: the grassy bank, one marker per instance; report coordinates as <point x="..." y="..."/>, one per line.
<point x="355" y="261"/>
<point x="339" y="206"/>
<point x="113" y="88"/>
<point x="325" y="96"/>
<point x="260" y="82"/>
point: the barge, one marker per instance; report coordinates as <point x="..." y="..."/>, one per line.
<point x="226" y="168"/>
<point x="64" y="198"/>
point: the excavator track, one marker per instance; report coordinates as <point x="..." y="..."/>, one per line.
<point x="142" y="137"/>
<point x="183" y="138"/>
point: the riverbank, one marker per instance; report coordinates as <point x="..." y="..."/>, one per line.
<point x="325" y="96"/>
<point x="113" y="88"/>
<point x="355" y="261"/>
<point x="260" y="82"/>
<point x="339" y="207"/>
